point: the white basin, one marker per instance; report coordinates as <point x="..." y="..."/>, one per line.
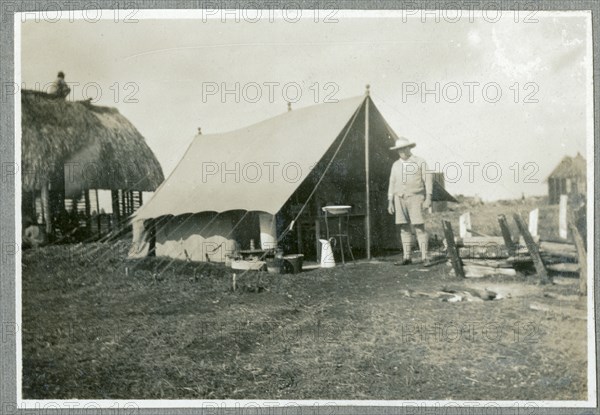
<point x="337" y="209"/>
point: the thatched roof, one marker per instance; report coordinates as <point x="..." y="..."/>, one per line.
<point x="57" y="131"/>
<point x="570" y="167"/>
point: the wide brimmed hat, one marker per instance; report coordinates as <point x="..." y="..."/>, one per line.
<point x="402" y="142"/>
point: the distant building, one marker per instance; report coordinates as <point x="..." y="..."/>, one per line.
<point x="568" y="178"/>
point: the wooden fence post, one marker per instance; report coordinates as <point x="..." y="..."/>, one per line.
<point x="508" y="241"/>
<point x="533" y="222"/>
<point x="533" y="249"/>
<point x="562" y="217"/>
<point x="464" y="225"/>
<point x="582" y="258"/>
<point x="452" y="251"/>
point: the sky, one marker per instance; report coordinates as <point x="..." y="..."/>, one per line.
<point x="495" y="102"/>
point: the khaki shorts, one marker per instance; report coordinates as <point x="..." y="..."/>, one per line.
<point x="409" y="209"/>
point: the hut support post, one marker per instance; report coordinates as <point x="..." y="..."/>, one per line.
<point x="367" y="179"/>
<point x="87" y="210"/>
<point x="114" y="195"/>
<point x="125" y="202"/>
<point x="131" y="206"/>
<point x="45" y="196"/>
<point x="98" y="218"/>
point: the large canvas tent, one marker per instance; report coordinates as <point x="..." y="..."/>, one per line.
<point x="272" y="178"/>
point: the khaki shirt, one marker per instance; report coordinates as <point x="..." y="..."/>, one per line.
<point x="409" y="178"/>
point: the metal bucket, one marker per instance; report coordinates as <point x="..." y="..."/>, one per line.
<point x="295" y="262"/>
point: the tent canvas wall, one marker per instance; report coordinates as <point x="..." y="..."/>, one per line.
<point x="296" y="162"/>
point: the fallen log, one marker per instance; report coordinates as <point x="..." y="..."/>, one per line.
<point x="557" y="247"/>
<point x="495" y="240"/>
<point x="522" y="259"/>
<point x="484" y="252"/>
<point x="483" y="293"/>
<point x="479" y="233"/>
<point x="459" y="297"/>
<point x="493" y="263"/>
<point x="559" y="256"/>
<point x="565" y="267"/>
<point x="435" y="261"/>
<point x="564" y="281"/>
<point x="479" y="271"/>
<point x="479" y="241"/>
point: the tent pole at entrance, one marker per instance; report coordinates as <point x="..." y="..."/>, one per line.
<point x="367" y="178"/>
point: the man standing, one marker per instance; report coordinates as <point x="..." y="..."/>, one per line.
<point x="409" y="193"/>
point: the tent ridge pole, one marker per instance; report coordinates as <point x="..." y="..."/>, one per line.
<point x="367" y="177"/>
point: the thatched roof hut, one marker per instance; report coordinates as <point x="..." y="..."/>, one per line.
<point x="108" y="150"/>
<point x="570" y="167"/>
<point x="69" y="148"/>
<point x="568" y="178"/>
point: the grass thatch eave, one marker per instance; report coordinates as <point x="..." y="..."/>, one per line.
<point x="55" y="131"/>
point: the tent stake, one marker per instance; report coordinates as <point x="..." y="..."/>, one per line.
<point x="367" y="177"/>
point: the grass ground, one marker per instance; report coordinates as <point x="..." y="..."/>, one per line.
<point x="98" y="326"/>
